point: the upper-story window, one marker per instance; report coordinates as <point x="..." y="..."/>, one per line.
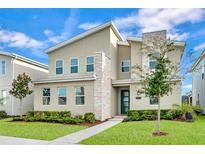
<point x="202" y="72"/>
<point x="125" y="66"/>
<point x="74" y="65"/>
<point x="59" y="66"/>
<point x="153" y="61"/>
<point x="90" y="64"/>
<point x="3" y="67"/>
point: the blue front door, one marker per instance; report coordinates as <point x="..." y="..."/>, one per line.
<point x="125" y="101"/>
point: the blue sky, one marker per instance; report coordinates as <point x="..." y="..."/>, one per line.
<point x="28" y="32"/>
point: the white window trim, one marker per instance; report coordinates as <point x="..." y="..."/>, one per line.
<point x="151" y="69"/>
<point x="46" y="96"/>
<point x="90" y="64"/>
<point x="66" y="95"/>
<point x="58" y="67"/>
<point x="2" y="67"/>
<point x="125" y="66"/>
<point x="74" y="65"/>
<point x="79" y="95"/>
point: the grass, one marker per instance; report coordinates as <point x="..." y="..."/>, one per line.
<point x="36" y="130"/>
<point x="140" y="133"/>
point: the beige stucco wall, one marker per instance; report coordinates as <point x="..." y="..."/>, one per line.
<point x="35" y="73"/>
<point x="124" y="53"/>
<point x="143" y="103"/>
<point x="13" y="68"/>
<point x="71" y="104"/>
<point x="113" y="70"/>
<point x="5" y="82"/>
<point x="87" y="46"/>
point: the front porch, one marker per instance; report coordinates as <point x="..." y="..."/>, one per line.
<point x="123" y="101"/>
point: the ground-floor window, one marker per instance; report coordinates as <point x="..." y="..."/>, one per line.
<point x="153" y="100"/>
<point x="46" y="96"/>
<point x="80" y="96"/>
<point x="62" y="92"/>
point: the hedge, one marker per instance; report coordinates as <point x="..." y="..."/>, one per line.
<point x="57" y="117"/>
<point x="3" y="115"/>
<point x="138" y="115"/>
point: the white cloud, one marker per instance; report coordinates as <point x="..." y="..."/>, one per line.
<point x="199" y="47"/>
<point x="157" y="19"/>
<point x="126" y="34"/>
<point x="69" y="26"/>
<point x="177" y="36"/>
<point x="188" y="87"/>
<point x="19" y="40"/>
<point x="88" y="25"/>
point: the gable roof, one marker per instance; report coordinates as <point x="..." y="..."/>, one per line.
<point x="87" y="33"/>
<point x="24" y="59"/>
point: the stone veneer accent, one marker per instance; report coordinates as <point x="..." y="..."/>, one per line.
<point x="153" y="38"/>
<point x="102" y="87"/>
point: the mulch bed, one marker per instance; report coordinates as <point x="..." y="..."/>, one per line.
<point x="159" y="134"/>
<point x="92" y="124"/>
<point x="80" y="124"/>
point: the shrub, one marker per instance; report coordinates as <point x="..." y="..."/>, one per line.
<point x="175" y="113"/>
<point x="149" y="115"/>
<point x="18" y="118"/>
<point x="137" y="115"/>
<point x="65" y="114"/>
<point x="89" y="117"/>
<point x="3" y="114"/>
<point x="197" y="109"/>
<point x="133" y="115"/>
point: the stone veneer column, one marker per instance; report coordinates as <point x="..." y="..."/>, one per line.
<point x="102" y="86"/>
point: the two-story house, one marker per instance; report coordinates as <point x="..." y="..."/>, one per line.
<point x="10" y="66"/>
<point x="92" y="72"/>
<point x="198" y="81"/>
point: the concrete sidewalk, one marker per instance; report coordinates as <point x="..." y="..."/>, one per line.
<point x="73" y="138"/>
<point x="6" y="140"/>
<point x="77" y="137"/>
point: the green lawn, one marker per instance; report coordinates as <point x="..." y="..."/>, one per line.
<point x="139" y="133"/>
<point x="36" y="130"/>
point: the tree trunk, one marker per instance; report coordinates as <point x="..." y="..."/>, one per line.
<point x="21" y="110"/>
<point x="158" y="117"/>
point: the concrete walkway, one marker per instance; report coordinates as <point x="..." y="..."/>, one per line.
<point x="77" y="137"/>
<point x="73" y="138"/>
<point x="6" y="140"/>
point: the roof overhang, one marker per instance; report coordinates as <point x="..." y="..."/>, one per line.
<point x="24" y="59"/>
<point x="85" y="34"/>
<point x="198" y="60"/>
<point x="60" y="80"/>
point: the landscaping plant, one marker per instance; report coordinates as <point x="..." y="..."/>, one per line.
<point x="20" y="88"/>
<point x="159" y="81"/>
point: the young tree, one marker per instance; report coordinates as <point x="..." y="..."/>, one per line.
<point x="159" y="81"/>
<point x="20" y="88"/>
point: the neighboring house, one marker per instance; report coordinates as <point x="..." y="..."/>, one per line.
<point x="92" y="72"/>
<point x="10" y="66"/>
<point x="198" y="81"/>
<point x="187" y="98"/>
